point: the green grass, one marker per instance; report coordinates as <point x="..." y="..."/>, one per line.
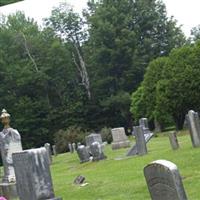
<point x="123" y="179"/>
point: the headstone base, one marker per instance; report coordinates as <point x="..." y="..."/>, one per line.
<point x="58" y="198"/>
<point x="119" y="145"/>
<point x="9" y="191"/>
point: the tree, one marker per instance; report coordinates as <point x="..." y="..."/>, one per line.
<point x="39" y="83"/>
<point x="179" y="89"/>
<point x="69" y="26"/>
<point x="195" y="33"/>
<point x="5" y="2"/>
<point x="174" y="89"/>
<point x="124" y="36"/>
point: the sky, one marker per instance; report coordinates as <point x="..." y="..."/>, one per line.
<point x="186" y="12"/>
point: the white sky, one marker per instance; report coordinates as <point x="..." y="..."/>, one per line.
<point x="185" y="11"/>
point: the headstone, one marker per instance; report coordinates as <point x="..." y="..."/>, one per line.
<point x="173" y="140"/>
<point x="33" y="175"/>
<point x="54" y="150"/>
<point x="140" y="140"/>
<point x="120" y="140"/>
<point x="164" y="181"/>
<point x="70" y="148"/>
<point x="133" y="150"/>
<point x="158" y="127"/>
<point x="148" y="135"/>
<point x="144" y="122"/>
<point x="79" y="180"/>
<point x="78" y="144"/>
<point x="97" y="151"/>
<point x="83" y="154"/>
<point x="74" y="147"/>
<point x="194" y="127"/>
<point x="10" y="142"/>
<point x="93" y="138"/>
<point x="48" y="148"/>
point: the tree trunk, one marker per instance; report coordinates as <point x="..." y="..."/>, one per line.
<point x="81" y="66"/>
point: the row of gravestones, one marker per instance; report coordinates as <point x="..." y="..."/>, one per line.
<point x="192" y="122"/>
<point x="94" y="145"/>
<point x="27" y="173"/>
<point x="142" y="135"/>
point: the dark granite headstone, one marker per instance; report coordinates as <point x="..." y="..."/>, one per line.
<point x="164" y="181"/>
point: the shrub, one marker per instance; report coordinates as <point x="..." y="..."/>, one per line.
<point x="70" y="135"/>
<point x="106" y="134"/>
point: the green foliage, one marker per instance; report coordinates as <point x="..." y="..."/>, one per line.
<point x="106" y="134"/>
<point x="179" y="89"/>
<point x="138" y="107"/>
<point x="5" y="2"/>
<point x="71" y="135"/>
<point x="195" y="33"/>
<point x="39" y="83"/>
<point x="124" y="36"/>
<point x="170" y="87"/>
<point x="79" y="71"/>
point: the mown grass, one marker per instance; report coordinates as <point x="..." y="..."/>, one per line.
<point x="113" y="179"/>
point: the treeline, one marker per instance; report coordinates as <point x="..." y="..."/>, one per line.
<point x="170" y="88"/>
<point x="6" y="2"/>
<point x="80" y="71"/>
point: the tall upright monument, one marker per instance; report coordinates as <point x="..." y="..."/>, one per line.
<point x="10" y="142"/>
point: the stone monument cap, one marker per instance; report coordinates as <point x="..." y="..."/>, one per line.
<point x="4" y="114"/>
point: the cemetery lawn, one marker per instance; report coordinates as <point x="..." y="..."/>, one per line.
<point x="113" y="179"/>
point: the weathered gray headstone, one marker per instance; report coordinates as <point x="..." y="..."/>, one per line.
<point x="144" y="122"/>
<point x="54" y="150"/>
<point x="93" y="138"/>
<point x="33" y="175"/>
<point x="164" y="181"/>
<point x="83" y="154"/>
<point x="49" y="153"/>
<point x="97" y="151"/>
<point x="194" y="127"/>
<point x="140" y="140"/>
<point x="74" y="147"/>
<point x="10" y="142"/>
<point x="70" y="148"/>
<point x="78" y="144"/>
<point x="133" y="150"/>
<point x="173" y="140"/>
<point x="120" y="140"/>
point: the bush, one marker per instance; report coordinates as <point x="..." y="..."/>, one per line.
<point x="70" y="135"/>
<point x="106" y="134"/>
